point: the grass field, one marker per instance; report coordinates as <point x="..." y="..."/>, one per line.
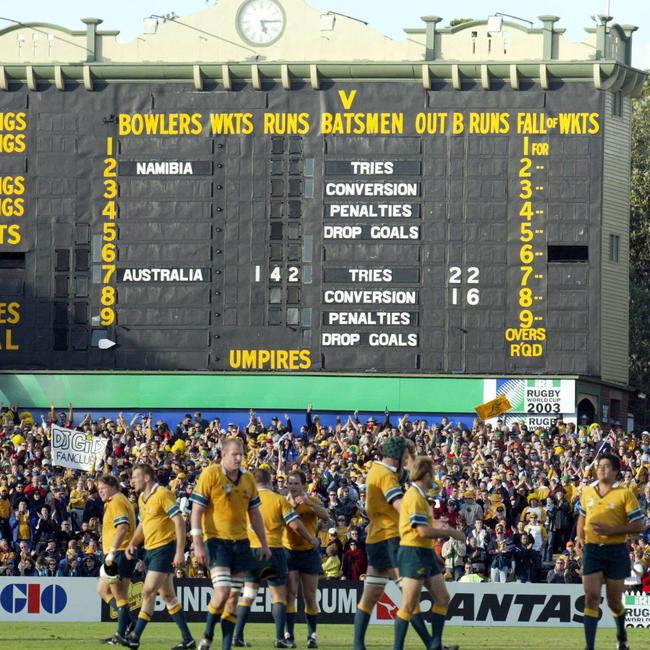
<point x="159" y="636"/>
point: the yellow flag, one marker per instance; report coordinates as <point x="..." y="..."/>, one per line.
<point x="493" y="408"/>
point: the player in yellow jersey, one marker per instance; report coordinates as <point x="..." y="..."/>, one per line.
<point x="117" y="528"/>
<point x="162" y="530"/>
<point x="416" y="560"/>
<point x="223" y="497"/>
<point x="609" y="511"/>
<point x="304" y="561"/>
<point x="383" y="501"/>
<point x="277" y="514"/>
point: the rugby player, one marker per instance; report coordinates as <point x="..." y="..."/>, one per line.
<point x="416" y="560"/>
<point x="118" y="526"/>
<point x="304" y="561"/>
<point x="162" y="530"/>
<point x="609" y="511"/>
<point x="383" y="501"/>
<point x="223" y="496"/>
<point x="276" y="513"/>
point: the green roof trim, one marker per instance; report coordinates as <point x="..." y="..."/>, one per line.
<point x="606" y="75"/>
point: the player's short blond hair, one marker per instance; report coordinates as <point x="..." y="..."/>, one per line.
<point x="231" y="442"/>
<point x="422" y="465"/>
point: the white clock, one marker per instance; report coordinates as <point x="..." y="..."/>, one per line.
<point x="261" y="22"/>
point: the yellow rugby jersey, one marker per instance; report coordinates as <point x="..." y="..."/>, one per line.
<point x="277" y="512"/>
<point x="618" y="507"/>
<point x="226" y="502"/>
<point x="415" y="511"/>
<point x="118" y="510"/>
<point x="156" y="515"/>
<point x="382" y="490"/>
<point x="294" y="541"/>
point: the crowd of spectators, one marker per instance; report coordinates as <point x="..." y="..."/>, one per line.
<point x="514" y="491"/>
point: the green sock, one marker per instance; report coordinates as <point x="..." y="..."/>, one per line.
<point x="179" y="619"/>
<point x="590" y="622"/>
<point x="123" y="618"/>
<point x="140" y="624"/>
<point x="401" y="628"/>
<point x="311" y="623"/>
<point x="438" y="618"/>
<point x="419" y="625"/>
<point x="291" y="623"/>
<point x="279" y="613"/>
<point x="619" y="619"/>
<point x="211" y="622"/>
<point x="227" y="628"/>
<point x="242" y="616"/>
<point x="361" y="620"/>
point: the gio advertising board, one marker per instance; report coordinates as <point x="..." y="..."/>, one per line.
<point x="49" y="599"/>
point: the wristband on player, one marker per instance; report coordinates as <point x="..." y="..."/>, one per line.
<point x="196" y="532"/>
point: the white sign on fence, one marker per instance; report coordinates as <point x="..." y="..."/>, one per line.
<point x="509" y="604"/>
<point x="76" y="449"/>
<point x="49" y="599"/>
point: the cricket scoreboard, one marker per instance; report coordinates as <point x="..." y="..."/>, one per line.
<point x="370" y="226"/>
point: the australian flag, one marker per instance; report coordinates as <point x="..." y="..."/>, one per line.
<point x="606" y="445"/>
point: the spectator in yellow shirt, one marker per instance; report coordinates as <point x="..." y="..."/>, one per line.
<point x="332" y="563"/>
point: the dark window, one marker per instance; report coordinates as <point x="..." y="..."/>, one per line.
<point x="277" y="187"/>
<point x="61" y="285"/>
<point x="275" y="316"/>
<point x="60" y="313"/>
<point x="276" y="254"/>
<point x="568" y="253"/>
<point x="617" y="104"/>
<point x="277" y="167"/>
<point x="81" y="313"/>
<point x="277" y="145"/>
<point x="295" y="145"/>
<point x="60" y="339"/>
<point x="614" y="246"/>
<point x="295" y="210"/>
<point x="295" y="187"/>
<point x="62" y="260"/>
<point x="12" y="260"/>
<point x="293" y="295"/>
<point x="81" y="259"/>
<point x="276" y="231"/>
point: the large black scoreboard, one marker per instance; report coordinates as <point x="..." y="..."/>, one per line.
<point x="371" y="226"/>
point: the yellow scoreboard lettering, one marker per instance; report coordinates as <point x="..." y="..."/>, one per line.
<point x="9" y="315"/>
<point x="160" y="124"/>
<point x="286" y="123"/>
<point x="489" y="123"/>
<point x="231" y="123"/>
<point x="270" y="359"/>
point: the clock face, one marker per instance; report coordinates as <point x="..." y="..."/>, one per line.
<point x="261" y="22"/>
